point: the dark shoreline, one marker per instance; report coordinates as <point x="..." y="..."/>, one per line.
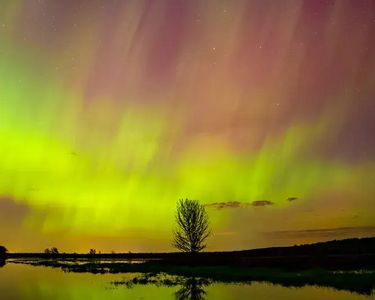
<point x="333" y="255"/>
<point x="327" y="262"/>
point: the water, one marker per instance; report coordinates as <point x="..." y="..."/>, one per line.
<point x="21" y="281"/>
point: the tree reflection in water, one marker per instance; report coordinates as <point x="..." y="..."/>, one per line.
<point x="192" y="289"/>
<point x="2" y="262"/>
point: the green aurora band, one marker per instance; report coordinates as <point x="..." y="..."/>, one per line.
<point x="93" y="163"/>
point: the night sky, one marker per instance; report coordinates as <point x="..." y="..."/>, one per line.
<point x="111" y="111"/>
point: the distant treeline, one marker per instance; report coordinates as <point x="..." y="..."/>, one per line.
<point x="354" y="246"/>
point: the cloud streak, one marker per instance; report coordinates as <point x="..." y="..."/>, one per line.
<point x="262" y="203"/>
<point x="291" y="199"/>
<point x="238" y="204"/>
<point x="228" y="204"/>
<point x="323" y="233"/>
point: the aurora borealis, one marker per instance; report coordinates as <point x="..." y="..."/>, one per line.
<point x="111" y="111"/>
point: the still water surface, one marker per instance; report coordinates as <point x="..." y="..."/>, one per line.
<point x="20" y="281"/>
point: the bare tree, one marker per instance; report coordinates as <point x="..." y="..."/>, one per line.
<point x="192" y="222"/>
<point x="54" y="250"/>
<point x="3" y="251"/>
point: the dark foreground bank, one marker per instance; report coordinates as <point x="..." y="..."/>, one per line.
<point x="344" y="255"/>
<point x="344" y="265"/>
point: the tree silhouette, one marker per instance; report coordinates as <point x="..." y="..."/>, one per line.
<point x="192" y="222"/>
<point x="53" y="250"/>
<point x="3" y="251"/>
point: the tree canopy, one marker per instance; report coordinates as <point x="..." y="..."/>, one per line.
<point x="192" y="226"/>
<point x="3" y="251"/>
